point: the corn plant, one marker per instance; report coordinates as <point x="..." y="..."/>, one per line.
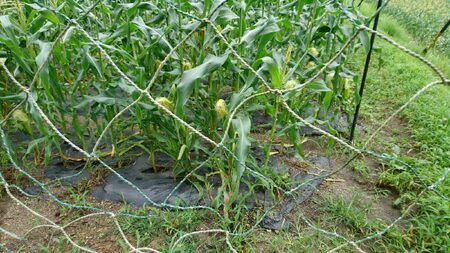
<point x="201" y="83"/>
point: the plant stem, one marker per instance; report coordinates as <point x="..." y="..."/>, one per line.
<point x="272" y="132"/>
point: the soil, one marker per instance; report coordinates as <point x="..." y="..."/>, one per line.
<point x="99" y="232"/>
<point x="347" y="184"/>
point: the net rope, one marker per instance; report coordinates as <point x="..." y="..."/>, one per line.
<point x="92" y="155"/>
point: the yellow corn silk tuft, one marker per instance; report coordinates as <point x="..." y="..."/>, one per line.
<point x="221" y="109"/>
<point x="313" y="51"/>
<point x="310" y="64"/>
<point x="165" y="102"/>
<point x="290" y="84"/>
<point x="187" y="65"/>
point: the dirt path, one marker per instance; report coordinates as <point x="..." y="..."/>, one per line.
<point x="97" y="232"/>
<point x="348" y="182"/>
<point x="3" y="209"/>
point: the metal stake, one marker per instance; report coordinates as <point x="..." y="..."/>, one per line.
<point x="366" y="70"/>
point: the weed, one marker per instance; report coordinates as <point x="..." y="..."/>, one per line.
<point x="58" y="245"/>
<point x="162" y="227"/>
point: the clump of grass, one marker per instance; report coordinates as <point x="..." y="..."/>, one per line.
<point x="161" y="227"/>
<point x="350" y="212"/>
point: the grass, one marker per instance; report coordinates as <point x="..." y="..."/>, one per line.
<point x="390" y="84"/>
<point x="427" y="119"/>
<point x="165" y="226"/>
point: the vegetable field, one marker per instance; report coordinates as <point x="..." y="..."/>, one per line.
<point x="180" y="126"/>
<point x="423" y="22"/>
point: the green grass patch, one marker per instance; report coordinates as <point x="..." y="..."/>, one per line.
<point x="391" y="82"/>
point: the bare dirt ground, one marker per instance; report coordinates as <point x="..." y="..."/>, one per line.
<point x="98" y="232"/>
